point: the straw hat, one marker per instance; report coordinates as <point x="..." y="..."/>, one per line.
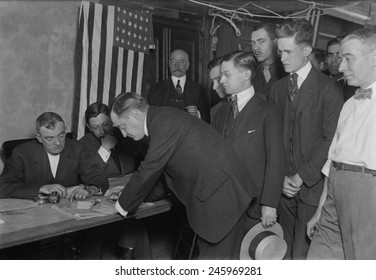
<point x="263" y="243"/>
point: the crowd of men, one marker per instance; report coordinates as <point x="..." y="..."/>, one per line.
<point x="280" y="146"/>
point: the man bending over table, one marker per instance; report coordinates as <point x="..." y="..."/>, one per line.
<point x="50" y="163"/>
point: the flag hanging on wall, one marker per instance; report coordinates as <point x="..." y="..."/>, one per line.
<point x="111" y="50"/>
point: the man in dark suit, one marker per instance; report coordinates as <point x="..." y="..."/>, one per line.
<point x="264" y="47"/>
<point x="201" y="169"/>
<point x="310" y="103"/>
<point x="116" y="157"/>
<point x="333" y="60"/>
<point x="108" y="149"/>
<point x="50" y="163"/>
<point x="255" y="134"/>
<point x="178" y="91"/>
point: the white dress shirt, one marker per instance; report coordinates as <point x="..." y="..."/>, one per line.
<point x="303" y="73"/>
<point x="104" y="154"/>
<point x="182" y="81"/>
<point x="354" y="141"/>
<point x="244" y="96"/>
<point x="54" y="162"/>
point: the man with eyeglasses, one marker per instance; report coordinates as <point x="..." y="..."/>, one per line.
<point x="333" y="60"/>
<point x="51" y="163"/>
<point x="178" y="91"/>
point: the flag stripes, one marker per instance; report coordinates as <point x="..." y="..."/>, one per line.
<point x="103" y="70"/>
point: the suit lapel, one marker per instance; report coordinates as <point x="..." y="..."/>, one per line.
<point x="250" y="112"/>
<point x="64" y="162"/>
<point x="305" y="91"/>
<point x="42" y="162"/>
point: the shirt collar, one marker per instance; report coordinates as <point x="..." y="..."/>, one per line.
<point x="303" y="72"/>
<point x="182" y="80"/>
<point x="145" y="127"/>
<point x="244" y="96"/>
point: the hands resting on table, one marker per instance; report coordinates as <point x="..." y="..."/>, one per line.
<point x="80" y="192"/>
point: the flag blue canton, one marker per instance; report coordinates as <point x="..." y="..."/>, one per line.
<point x="133" y="29"/>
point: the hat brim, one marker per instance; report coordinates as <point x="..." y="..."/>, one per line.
<point x="252" y="233"/>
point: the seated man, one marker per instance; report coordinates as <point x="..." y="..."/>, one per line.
<point x="50" y="163"/>
<point x="107" y="148"/>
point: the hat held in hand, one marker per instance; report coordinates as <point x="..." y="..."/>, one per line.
<point x="263" y="243"/>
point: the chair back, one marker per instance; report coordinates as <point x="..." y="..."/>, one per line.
<point x="8" y="146"/>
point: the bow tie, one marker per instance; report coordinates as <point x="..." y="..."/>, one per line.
<point x="363" y="93"/>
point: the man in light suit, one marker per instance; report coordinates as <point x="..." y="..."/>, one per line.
<point x="310" y="103"/>
<point x="255" y="134"/>
<point x="200" y="167"/>
<point x="178" y="91"/>
<point x="50" y="163"/>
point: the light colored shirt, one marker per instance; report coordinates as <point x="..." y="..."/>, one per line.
<point x="244" y="96"/>
<point x="303" y="73"/>
<point x="117" y="205"/>
<point x="354" y="141"/>
<point x="104" y="154"/>
<point x="182" y="81"/>
<point x="54" y="161"/>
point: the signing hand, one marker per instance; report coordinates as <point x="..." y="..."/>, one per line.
<point x="114" y="194"/>
<point x="47" y="189"/>
<point x="268" y="216"/>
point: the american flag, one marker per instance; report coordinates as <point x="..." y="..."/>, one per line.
<point x="105" y="64"/>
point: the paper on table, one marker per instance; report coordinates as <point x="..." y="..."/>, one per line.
<point x="12" y="204"/>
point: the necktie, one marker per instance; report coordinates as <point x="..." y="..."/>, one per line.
<point x="293" y="86"/>
<point x="178" y="87"/>
<point x="234" y="105"/>
<point x="363" y="93"/>
<point x="266" y="72"/>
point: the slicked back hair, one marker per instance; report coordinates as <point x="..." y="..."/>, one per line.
<point x="300" y="29"/>
<point x="243" y="60"/>
<point x="365" y="35"/>
<point x="95" y="109"/>
<point x="270" y="28"/>
<point x="128" y="101"/>
<point x="48" y="120"/>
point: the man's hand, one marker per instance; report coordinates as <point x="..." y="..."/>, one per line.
<point x="290" y="187"/>
<point x="268" y="216"/>
<point x="79" y="194"/>
<point x="114" y="194"/>
<point x="192" y="110"/>
<point x="312" y="223"/>
<point x="108" y="142"/>
<point x="47" y="189"/>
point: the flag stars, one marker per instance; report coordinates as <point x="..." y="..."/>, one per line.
<point x="130" y="14"/>
<point x="123" y="31"/>
<point x="135" y="25"/>
<point x="124" y="21"/>
<point x="135" y="16"/>
<point x="129" y="23"/>
<point x="124" y="12"/>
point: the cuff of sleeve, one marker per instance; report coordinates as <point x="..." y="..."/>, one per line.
<point x="326" y="169"/>
<point x="105" y="155"/>
<point x="198" y="114"/>
<point x="120" y="210"/>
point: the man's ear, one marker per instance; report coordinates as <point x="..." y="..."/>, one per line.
<point x="88" y="126"/>
<point x="247" y="74"/>
<point x="307" y="50"/>
<point x="39" y="137"/>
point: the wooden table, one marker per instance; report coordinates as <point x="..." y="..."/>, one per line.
<point x="43" y="221"/>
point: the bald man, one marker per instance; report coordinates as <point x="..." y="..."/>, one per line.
<point x="178" y="91"/>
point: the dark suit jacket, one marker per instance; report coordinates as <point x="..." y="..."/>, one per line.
<point x="316" y="115"/>
<point x="124" y="150"/>
<point x="28" y="169"/>
<point x="201" y="169"/>
<point x="259" y="143"/>
<point x="259" y="83"/>
<point x="194" y="94"/>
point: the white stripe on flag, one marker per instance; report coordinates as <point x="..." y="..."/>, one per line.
<point x="84" y="12"/>
<point x="108" y="62"/>
<point x="119" y="74"/>
<point x="96" y="43"/>
<point x="128" y="84"/>
<point x="140" y="69"/>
